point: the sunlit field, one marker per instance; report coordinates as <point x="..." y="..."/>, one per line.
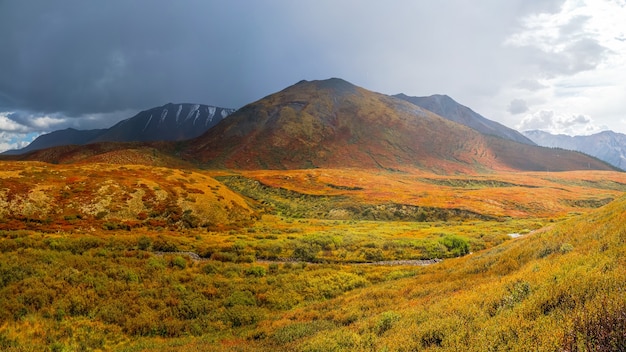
<point x="315" y="260"/>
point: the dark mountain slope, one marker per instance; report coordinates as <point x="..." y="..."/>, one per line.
<point x="57" y="138"/>
<point x="607" y="145"/>
<point x="170" y="122"/>
<point x="447" y="107"/>
<point x="334" y="124"/>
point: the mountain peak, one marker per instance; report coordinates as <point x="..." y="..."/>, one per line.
<point x="337" y="85"/>
<point x="333" y="123"/>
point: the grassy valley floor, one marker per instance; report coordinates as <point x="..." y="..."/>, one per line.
<point x="303" y="267"/>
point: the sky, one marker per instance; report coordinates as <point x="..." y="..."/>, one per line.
<point x="553" y="65"/>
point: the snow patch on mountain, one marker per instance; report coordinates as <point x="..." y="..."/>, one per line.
<point x="180" y="108"/>
<point x="193" y="111"/>
<point x="196" y="117"/>
<point x="147" y="123"/>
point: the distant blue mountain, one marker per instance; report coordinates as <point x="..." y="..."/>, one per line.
<point x="608" y="146"/>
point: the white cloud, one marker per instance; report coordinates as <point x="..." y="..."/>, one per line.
<point x="8" y="125"/>
<point x="9" y="140"/>
<point x="572" y="66"/>
<point x="18" y="129"/>
<point x="25" y="122"/>
<point x="552" y="122"/>
<point x="46" y="122"/>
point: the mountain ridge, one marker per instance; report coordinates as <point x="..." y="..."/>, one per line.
<point x="333" y="123"/>
<point x="169" y="122"/>
<point x="323" y="124"/>
<point x="446" y="107"/>
<point x="606" y="145"/>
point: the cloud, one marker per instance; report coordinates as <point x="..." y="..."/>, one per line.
<point x="89" y="64"/>
<point x="518" y="106"/>
<point x="559" y="44"/>
<point x="569" y="62"/>
<point x="77" y="58"/>
<point x="10" y="140"/>
<point x="25" y="122"/>
<point x="530" y="85"/>
<point x="560" y="124"/>
<point x="9" y="125"/>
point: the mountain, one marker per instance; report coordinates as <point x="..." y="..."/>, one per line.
<point x="607" y="145"/>
<point x="334" y="124"/>
<point x="58" y="138"/>
<point x="170" y="122"/>
<point x="448" y="108"/>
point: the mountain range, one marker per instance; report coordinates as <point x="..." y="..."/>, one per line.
<point x="332" y="123"/>
<point x="315" y="124"/>
<point x="170" y="122"/>
<point x="607" y="145"/>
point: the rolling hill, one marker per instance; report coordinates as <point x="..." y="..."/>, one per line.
<point x="52" y="197"/>
<point x="332" y="123"/>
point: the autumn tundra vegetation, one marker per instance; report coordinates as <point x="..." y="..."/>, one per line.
<point x="134" y="257"/>
<point x="321" y="218"/>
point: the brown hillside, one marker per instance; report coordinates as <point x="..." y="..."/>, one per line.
<point x="333" y="123"/>
<point x="88" y="196"/>
<point x="149" y="153"/>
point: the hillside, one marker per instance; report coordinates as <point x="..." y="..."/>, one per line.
<point x="333" y="123"/>
<point x="557" y="289"/>
<point x="447" y="107"/>
<point x="349" y="194"/>
<point x="170" y="122"/>
<point x="127" y="257"/>
<point x="48" y="197"/>
<point x="607" y="145"/>
<point x="161" y="154"/>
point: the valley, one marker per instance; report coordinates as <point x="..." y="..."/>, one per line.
<point x="323" y="217"/>
<point x="312" y="176"/>
<point x="138" y="258"/>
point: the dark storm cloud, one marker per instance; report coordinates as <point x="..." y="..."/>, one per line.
<point x="79" y="57"/>
<point x="86" y="64"/>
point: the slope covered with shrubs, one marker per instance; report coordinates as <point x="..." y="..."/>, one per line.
<point x="558" y="289"/>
